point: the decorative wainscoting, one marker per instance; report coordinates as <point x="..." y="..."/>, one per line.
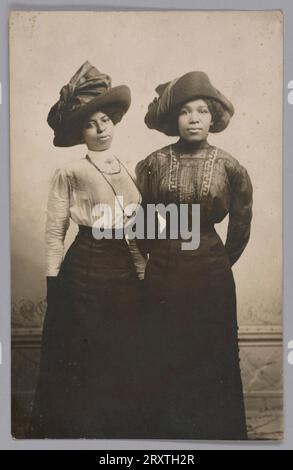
<point x="260" y="358"/>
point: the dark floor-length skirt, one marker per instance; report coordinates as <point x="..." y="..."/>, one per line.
<point x="194" y="386"/>
<point x="89" y="384"/>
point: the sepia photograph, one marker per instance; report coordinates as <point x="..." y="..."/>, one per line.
<point x="146" y="225"/>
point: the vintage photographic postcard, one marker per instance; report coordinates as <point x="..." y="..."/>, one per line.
<point x="146" y="224"/>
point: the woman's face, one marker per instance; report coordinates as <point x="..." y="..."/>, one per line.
<point x="194" y="121"/>
<point x="98" y="131"/>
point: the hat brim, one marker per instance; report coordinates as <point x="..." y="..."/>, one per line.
<point x="118" y="98"/>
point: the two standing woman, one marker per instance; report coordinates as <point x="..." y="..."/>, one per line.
<point x="108" y="367"/>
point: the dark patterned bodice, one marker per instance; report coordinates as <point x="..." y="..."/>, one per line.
<point x="209" y="177"/>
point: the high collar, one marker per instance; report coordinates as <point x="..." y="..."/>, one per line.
<point x="101" y="156"/>
<point x="190" y="148"/>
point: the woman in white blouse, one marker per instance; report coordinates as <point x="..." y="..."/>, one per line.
<point x="89" y="369"/>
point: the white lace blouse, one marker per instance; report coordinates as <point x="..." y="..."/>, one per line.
<point x="75" y="192"/>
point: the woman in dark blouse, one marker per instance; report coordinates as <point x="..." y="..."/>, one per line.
<point x="193" y="376"/>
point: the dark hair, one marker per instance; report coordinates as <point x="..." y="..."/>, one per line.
<point x="113" y="112"/>
<point x="215" y="108"/>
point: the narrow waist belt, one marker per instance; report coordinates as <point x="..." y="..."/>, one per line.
<point x="88" y="231"/>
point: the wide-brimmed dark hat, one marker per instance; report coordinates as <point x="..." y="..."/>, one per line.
<point x="162" y="112"/>
<point x="88" y="91"/>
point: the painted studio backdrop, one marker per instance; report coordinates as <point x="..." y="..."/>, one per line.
<point x="242" y="54"/>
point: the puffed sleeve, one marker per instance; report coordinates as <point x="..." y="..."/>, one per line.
<point x="240" y="214"/>
<point x="144" y="174"/>
<point x="58" y="217"/>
